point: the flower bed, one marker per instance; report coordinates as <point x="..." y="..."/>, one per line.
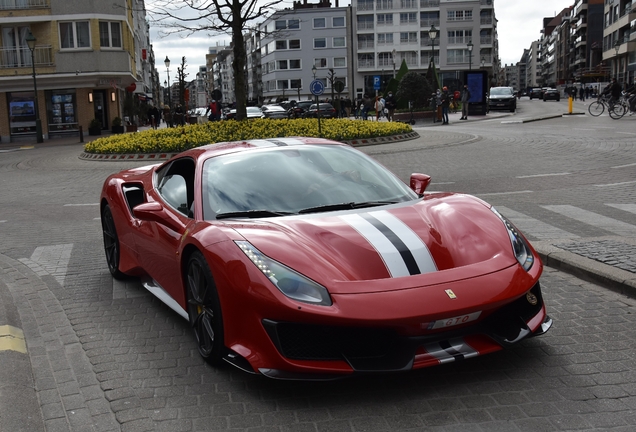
<point x="189" y="136"/>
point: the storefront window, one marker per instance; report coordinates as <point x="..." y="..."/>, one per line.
<point x="21" y="112"/>
<point x="61" y="109"/>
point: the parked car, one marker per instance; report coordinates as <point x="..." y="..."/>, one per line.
<point x="551" y="94"/>
<point x="501" y="98"/>
<point x="326" y="110"/>
<point x="274" y="112"/>
<point x="299" y="109"/>
<point x="536" y="93"/>
<point x="304" y="258"/>
<point x="252" y="112"/>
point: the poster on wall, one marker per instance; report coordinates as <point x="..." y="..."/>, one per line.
<point x="21" y="112"/>
<point x="61" y="109"/>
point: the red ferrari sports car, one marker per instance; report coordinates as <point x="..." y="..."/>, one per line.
<point x="303" y="258"/>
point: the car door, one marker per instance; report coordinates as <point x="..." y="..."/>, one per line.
<point x="159" y="242"/>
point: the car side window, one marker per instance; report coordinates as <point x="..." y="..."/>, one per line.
<point x="175" y="184"/>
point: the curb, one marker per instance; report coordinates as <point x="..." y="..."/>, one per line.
<point x="615" y="279"/>
<point x="134" y="157"/>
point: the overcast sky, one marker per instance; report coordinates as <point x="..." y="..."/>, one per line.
<point x="519" y="23"/>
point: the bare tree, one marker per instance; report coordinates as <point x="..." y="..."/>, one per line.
<point x="215" y="17"/>
<point x="181" y="76"/>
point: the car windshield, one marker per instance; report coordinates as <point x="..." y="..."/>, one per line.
<point x="500" y="91"/>
<point x="300" y="179"/>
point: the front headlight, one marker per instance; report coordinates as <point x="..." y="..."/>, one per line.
<point x="289" y="282"/>
<point x="520" y="247"/>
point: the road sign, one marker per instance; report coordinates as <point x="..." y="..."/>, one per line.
<point x="376" y="82"/>
<point x="317" y="87"/>
<point x="338" y="86"/>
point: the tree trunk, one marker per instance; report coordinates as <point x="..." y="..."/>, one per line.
<point x="238" y="67"/>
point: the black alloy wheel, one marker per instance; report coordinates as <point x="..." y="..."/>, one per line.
<point x="111" y="243"/>
<point x="204" y="309"/>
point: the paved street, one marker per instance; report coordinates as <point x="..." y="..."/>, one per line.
<point x="100" y="355"/>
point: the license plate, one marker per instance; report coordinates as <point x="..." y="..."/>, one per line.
<point x="450" y="322"/>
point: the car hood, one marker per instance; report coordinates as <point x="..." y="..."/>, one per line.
<point x="438" y="239"/>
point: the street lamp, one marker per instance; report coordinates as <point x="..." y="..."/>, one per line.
<point x="393" y="58"/>
<point x="470" y="54"/>
<point x="432" y="33"/>
<point x="617" y="47"/>
<point x="30" y="40"/>
<point x="167" y="63"/>
<point x="313" y="70"/>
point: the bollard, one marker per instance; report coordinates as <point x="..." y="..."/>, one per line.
<point x="570" y="105"/>
<point x="81" y="131"/>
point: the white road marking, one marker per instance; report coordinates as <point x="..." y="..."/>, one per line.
<point x="624" y="166"/>
<point x="534" y="227"/>
<point x="81" y="205"/>
<point x="625" y="207"/>
<point x="606" y="223"/>
<point x="442" y="183"/>
<point x="626" y="133"/>
<point x="2" y="221"/>
<point x="615" y="184"/>
<point x="505" y="193"/>
<point x="50" y="260"/>
<point x="544" y="175"/>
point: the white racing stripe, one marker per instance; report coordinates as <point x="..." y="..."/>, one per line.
<point x="415" y="244"/>
<point x="402" y="250"/>
<point x="388" y="252"/>
<point x="458" y="349"/>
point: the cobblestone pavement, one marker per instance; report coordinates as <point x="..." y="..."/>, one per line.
<point x="107" y="356"/>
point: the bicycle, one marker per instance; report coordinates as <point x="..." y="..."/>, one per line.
<point x="619" y="108"/>
<point x="597" y="107"/>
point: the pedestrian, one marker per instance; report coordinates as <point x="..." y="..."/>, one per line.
<point x="367" y="104"/>
<point x="214" y="110"/>
<point x="445" y="104"/>
<point x="390" y="104"/>
<point x="465" y="97"/>
<point x="153" y="113"/>
<point x="433" y="104"/>
<point x="347" y="107"/>
<point x="582" y="93"/>
<point x="179" y="115"/>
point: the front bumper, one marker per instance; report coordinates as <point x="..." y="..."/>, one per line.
<point x="371" y="350"/>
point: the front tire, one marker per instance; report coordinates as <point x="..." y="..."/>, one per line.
<point x="111" y="243"/>
<point x="204" y="310"/>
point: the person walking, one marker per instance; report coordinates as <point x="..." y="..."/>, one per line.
<point x="445" y="105"/>
<point x="367" y="103"/>
<point x="465" y="97"/>
<point x="434" y="106"/>
<point x="390" y="103"/>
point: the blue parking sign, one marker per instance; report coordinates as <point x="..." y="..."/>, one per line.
<point x="376" y="82"/>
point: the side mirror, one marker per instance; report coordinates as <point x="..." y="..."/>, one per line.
<point x="155" y="212"/>
<point x="419" y="182"/>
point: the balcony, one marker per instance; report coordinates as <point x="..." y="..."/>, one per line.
<point x="366" y="64"/>
<point x="363" y="25"/>
<point x="427" y="23"/>
<point x="21" y="57"/>
<point x="485" y="20"/>
<point x="485" y="40"/>
<point x="429" y="3"/>
<point x="485" y="2"/>
<point x="23" y="4"/>
<point x="365" y="45"/>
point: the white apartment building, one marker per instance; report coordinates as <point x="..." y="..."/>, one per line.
<point x="293" y="41"/>
<point x="390" y="32"/>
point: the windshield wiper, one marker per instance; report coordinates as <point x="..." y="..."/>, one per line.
<point x="251" y="214"/>
<point x="345" y="206"/>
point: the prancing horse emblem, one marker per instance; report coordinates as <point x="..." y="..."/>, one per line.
<point x="450" y="294"/>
